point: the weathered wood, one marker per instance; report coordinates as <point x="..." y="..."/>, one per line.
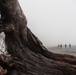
<point x="29" y="56"/>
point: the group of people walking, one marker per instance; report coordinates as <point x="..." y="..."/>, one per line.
<point x="65" y="46"/>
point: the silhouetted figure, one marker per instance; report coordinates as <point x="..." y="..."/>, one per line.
<point x="61" y="46"/>
<point x="69" y="45"/>
<point x="58" y="46"/>
<point x="65" y="46"/>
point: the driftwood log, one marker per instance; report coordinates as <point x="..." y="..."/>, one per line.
<point x="26" y="54"/>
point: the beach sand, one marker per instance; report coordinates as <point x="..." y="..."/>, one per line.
<point x="69" y="51"/>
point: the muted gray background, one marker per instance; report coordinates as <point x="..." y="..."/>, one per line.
<point x="52" y="21"/>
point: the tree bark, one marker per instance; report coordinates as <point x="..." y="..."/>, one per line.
<point x="29" y="56"/>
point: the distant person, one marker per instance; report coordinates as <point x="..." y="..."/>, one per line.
<point x="65" y="45"/>
<point x="69" y="45"/>
<point x="61" y="46"/>
<point x="58" y="46"/>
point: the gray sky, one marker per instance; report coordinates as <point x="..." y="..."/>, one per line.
<point x="52" y="21"/>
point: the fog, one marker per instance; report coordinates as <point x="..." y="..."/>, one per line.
<point x="52" y="21"/>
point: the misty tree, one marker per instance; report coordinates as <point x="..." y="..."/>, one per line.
<point x="26" y="53"/>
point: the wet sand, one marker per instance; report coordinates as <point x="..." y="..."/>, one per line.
<point x="69" y="51"/>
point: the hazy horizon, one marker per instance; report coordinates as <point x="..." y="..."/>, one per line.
<point x="52" y="21"/>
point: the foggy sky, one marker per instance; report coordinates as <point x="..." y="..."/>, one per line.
<point x="52" y="21"/>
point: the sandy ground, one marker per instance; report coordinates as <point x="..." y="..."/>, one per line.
<point x="69" y="51"/>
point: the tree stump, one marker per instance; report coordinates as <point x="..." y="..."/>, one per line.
<point x="28" y="56"/>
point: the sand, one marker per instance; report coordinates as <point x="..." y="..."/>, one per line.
<point x="69" y="51"/>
